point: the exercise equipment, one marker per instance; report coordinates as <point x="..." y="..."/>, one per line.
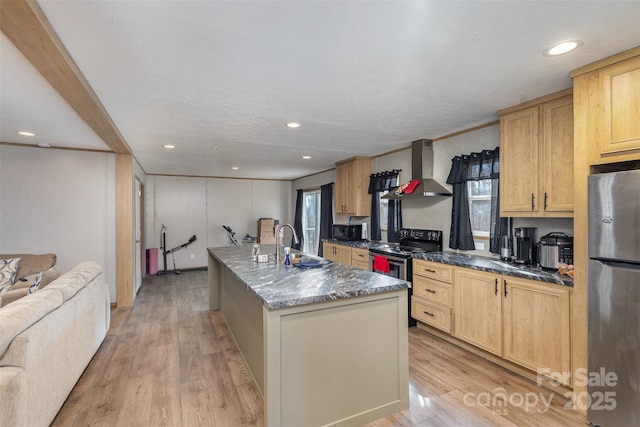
<point x="231" y="235"/>
<point x="163" y="241"/>
<point x="248" y="238"/>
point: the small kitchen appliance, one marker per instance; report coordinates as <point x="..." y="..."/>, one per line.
<point x="553" y="248"/>
<point x="525" y="245"/>
<point x="347" y="231"/>
<point x="505" y="248"/>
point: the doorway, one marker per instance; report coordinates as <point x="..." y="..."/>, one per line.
<point x="139" y="235"/>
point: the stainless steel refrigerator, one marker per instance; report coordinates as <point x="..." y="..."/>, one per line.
<point x="614" y="299"/>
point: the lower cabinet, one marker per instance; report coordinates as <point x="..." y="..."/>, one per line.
<point x="431" y="300"/>
<point x="523" y="321"/>
<point x="360" y="258"/>
<point x="536" y="329"/>
<point x="432" y="314"/>
<point x="477" y="309"/>
<point x="337" y="253"/>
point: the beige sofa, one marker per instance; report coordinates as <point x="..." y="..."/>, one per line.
<point x="47" y="339"/>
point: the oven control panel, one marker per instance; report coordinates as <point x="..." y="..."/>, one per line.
<point x="421" y="235"/>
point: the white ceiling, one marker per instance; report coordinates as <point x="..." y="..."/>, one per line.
<point x="220" y="79"/>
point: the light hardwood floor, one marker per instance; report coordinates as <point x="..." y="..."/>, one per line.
<point x="168" y="361"/>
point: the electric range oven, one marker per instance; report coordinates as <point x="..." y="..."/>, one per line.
<point x="394" y="259"/>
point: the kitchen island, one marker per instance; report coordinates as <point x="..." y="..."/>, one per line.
<point x="325" y="346"/>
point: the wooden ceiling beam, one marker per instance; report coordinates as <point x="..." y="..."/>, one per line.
<point x="25" y="24"/>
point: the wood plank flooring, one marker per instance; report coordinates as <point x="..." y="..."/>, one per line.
<point x="168" y="361"/>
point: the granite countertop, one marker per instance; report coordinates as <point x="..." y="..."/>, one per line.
<point x="476" y="262"/>
<point x="493" y="265"/>
<point x="360" y="244"/>
<point x="279" y="286"/>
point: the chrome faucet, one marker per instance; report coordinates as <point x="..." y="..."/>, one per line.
<point x="277" y="234"/>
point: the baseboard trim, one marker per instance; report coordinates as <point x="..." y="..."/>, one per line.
<point x="180" y="270"/>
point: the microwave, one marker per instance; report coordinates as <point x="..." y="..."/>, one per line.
<point x="347" y="232"/>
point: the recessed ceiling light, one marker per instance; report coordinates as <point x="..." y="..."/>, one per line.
<point x="563" y="47"/>
<point x="169" y="146"/>
<point x="235" y="168"/>
<point x="306" y="157"/>
<point x="293" y="125"/>
<point x="25" y="133"/>
<point x="44" y="145"/>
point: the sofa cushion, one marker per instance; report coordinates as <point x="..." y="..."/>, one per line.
<point x="49" y="276"/>
<point x="32" y="263"/>
<point x="27" y="282"/>
<point x="8" y="270"/>
<point x="12" y="295"/>
<point x="77" y="278"/>
<point x="21" y="314"/>
<point x="21" y="288"/>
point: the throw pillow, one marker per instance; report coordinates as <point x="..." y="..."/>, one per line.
<point x="8" y="268"/>
<point x="28" y="282"/>
<point x="36" y="283"/>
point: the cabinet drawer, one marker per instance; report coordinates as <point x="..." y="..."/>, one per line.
<point x="434" y="270"/>
<point x="432" y="290"/>
<point x="436" y="316"/>
<point x="362" y="265"/>
<point x="359" y="255"/>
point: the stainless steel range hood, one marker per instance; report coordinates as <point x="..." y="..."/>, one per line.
<point x="421" y="169"/>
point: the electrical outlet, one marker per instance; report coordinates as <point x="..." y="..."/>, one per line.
<point x="480" y="246"/>
<point x="193" y="256"/>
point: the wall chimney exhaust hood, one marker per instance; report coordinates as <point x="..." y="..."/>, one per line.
<point x="422" y="170"/>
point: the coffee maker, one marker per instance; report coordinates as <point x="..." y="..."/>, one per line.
<point x="525" y="245"/>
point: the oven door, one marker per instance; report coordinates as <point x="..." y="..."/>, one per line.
<point x="397" y="266"/>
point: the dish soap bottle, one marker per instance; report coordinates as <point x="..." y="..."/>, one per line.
<point x="287" y="258"/>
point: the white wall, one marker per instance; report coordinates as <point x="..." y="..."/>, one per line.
<point x="200" y="206"/>
<point x="59" y="201"/>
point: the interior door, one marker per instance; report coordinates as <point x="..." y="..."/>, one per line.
<point x="138" y="249"/>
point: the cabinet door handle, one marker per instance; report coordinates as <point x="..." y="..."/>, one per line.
<point x="505" y="288"/>
<point x="533" y="203"/>
<point x="428" y="314"/>
<point x="496" y="287"/>
<point x="545" y="201"/>
<point x="430" y="290"/>
<point x="429" y="270"/>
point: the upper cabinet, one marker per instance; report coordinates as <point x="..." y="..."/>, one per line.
<point x="352" y="186"/>
<point x="607" y="94"/>
<point x="536" y="157"/>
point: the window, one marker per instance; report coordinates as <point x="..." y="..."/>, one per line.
<point x="384" y="212"/>
<point x="384" y="207"/>
<point x="480" y="207"/>
<point x="311" y="221"/>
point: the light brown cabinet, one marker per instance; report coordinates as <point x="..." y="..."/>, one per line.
<point x="536" y="327"/>
<point x="431" y="300"/>
<point x="536" y="157"/>
<point x="360" y="258"/>
<point x="523" y="321"/>
<point x="352" y="186"/>
<point x="608" y="93"/>
<point x="337" y="253"/>
<point x="477" y="309"/>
